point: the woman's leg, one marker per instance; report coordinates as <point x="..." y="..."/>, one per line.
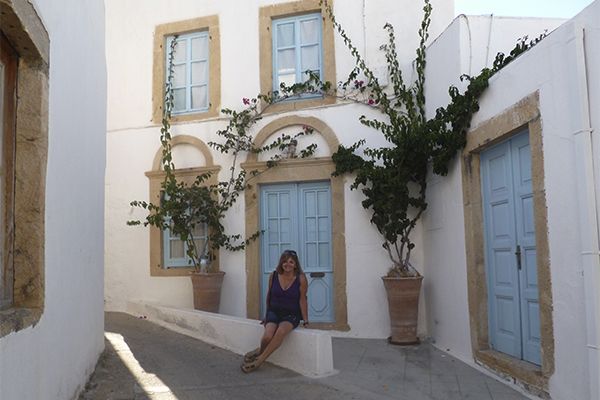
<point x="273" y="344"/>
<point x="251" y="356"/>
<point x="270" y="329"/>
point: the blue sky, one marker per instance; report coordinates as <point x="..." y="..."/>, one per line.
<point x="526" y="8"/>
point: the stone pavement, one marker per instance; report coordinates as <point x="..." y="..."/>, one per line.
<point x="145" y="361"/>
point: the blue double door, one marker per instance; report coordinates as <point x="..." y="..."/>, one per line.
<point x="510" y="250"/>
<point x="297" y="216"/>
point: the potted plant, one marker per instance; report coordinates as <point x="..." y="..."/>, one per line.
<point x="393" y="177"/>
<point x="185" y="207"/>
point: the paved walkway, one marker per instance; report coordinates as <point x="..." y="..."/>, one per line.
<point x="145" y="361"/>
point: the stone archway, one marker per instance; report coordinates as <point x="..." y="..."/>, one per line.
<point x="156" y="177"/>
<point x="297" y="170"/>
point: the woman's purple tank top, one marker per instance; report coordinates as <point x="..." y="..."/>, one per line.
<point x="285" y="301"/>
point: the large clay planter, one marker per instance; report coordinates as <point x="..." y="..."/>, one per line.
<point x="403" y="301"/>
<point x="207" y="290"/>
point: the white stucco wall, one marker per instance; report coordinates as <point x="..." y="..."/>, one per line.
<point x="53" y="359"/>
<point x="465" y="47"/>
<point x="132" y="142"/>
<point x="551" y="69"/>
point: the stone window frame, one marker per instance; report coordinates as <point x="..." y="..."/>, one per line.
<point x="297" y="170"/>
<point x="26" y="33"/>
<point x="161" y="32"/>
<point x="523" y="114"/>
<point x="156" y="176"/>
<point x="184" y="42"/>
<point x="266" y="16"/>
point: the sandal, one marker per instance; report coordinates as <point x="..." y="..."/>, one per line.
<point x="251" y="355"/>
<point x="249" y="367"/>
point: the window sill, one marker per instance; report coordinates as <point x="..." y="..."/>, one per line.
<point x="16" y="319"/>
<point x="177" y="271"/>
<point x="193" y="116"/>
<point x="300" y="104"/>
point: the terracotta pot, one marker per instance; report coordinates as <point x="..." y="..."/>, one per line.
<point x="403" y="301"/>
<point x="207" y="290"/>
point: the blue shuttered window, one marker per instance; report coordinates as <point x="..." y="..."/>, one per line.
<point x="175" y="250"/>
<point x="297" y="48"/>
<point x="190" y="72"/>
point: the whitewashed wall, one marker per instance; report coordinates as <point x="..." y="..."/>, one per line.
<point x="132" y="142"/>
<point x="53" y="359"/>
<point x="551" y="69"/>
<point x="461" y="49"/>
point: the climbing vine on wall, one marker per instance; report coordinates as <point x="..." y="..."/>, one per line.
<point x="393" y="177"/>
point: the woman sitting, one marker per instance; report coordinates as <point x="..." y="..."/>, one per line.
<point x="286" y="307"/>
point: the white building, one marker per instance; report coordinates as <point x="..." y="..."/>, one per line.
<point x="52" y="113"/>
<point x="133" y="132"/>
<point x="535" y="323"/>
<point x="543" y="106"/>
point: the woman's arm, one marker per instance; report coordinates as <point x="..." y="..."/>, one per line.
<point x="303" y="301"/>
<point x="268" y="298"/>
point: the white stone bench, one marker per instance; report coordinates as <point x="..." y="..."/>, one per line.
<point x="306" y="351"/>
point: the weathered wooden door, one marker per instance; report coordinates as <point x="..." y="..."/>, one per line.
<point x="514" y="322"/>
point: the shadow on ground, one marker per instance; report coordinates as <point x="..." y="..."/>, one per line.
<point x="145" y="361"/>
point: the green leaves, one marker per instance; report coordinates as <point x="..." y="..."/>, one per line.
<point x="393" y="178"/>
<point x="184" y="207"/>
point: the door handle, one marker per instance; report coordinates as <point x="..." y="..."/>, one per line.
<point x="518" y="255"/>
<point x="317" y="274"/>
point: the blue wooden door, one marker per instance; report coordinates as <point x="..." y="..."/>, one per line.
<point x="276" y="222"/>
<point x="525" y="229"/>
<point x="297" y="216"/>
<point x="510" y="252"/>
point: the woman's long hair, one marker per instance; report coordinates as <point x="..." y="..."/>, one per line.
<point x="286" y="255"/>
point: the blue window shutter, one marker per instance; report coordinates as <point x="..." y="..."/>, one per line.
<point x="191" y="67"/>
<point x="297" y="47"/>
<point x="284" y="52"/>
<point x="175" y="251"/>
<point x="310" y="46"/>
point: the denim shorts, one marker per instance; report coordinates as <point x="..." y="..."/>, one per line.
<point x="276" y="318"/>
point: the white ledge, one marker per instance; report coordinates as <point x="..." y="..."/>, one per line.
<point x="306" y="351"/>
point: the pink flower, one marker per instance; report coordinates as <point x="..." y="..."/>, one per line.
<point x="371" y="102"/>
<point x="246" y="101"/>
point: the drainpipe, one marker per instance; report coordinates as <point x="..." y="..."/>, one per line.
<point x="588" y="218"/>
<point x="364" y="21"/>
<point x="469" y="72"/>
<point x="487" y="50"/>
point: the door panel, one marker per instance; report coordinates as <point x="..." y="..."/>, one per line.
<point x="511" y="262"/>
<point x="315" y="248"/>
<point x="298" y="216"/>
<point x="503" y="286"/>
<point x="277" y="222"/>
<point x="526" y="239"/>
